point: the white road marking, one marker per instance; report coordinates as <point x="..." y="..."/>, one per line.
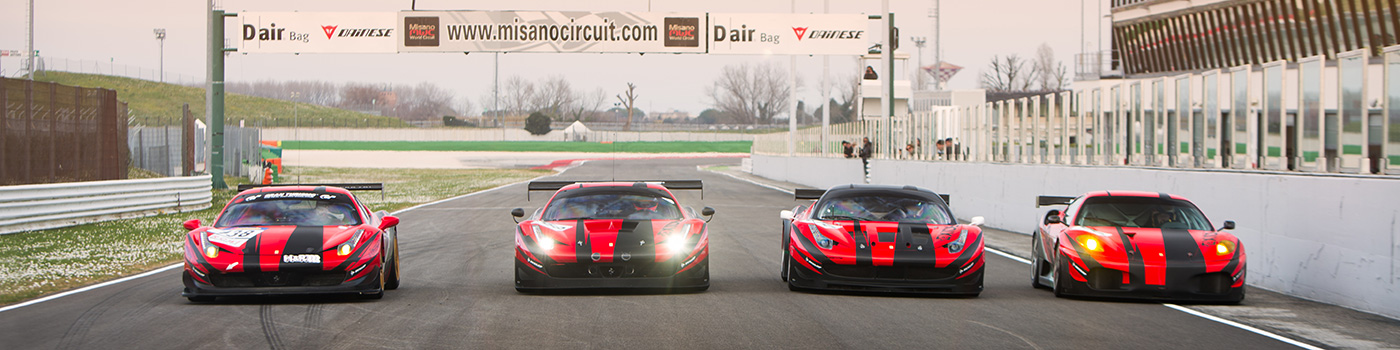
<point x="1007" y="255"/>
<point x="88" y="288"/>
<point x="167" y="268"/>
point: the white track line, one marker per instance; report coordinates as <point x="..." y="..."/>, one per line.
<point x="1172" y="306"/>
<point x="167" y="268"/>
<point x="1242" y="326"/>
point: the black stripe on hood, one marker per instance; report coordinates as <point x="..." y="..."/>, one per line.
<point x="1182" y="253"/>
<point x="303" y="240"/>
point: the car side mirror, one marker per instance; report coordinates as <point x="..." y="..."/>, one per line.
<point x="516" y="214"/>
<point x="978" y="221"/>
<point x="1229" y="225"/>
<point x="1052" y="217"/>
<point x="191" y="224"/>
<point x="708" y="212"/>
<point x="388" y="221"/>
<point x="785" y="215"/>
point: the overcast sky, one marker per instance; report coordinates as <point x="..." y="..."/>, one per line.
<point x="120" y="32"/>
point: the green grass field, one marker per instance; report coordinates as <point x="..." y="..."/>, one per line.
<point x="36" y="263"/>
<point x="525" y="146"/>
<point x="154" y="103"/>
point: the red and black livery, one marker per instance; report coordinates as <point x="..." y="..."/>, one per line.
<point x="900" y="239"/>
<point x="301" y="239"/>
<point x="1141" y="245"/>
<point x="615" y="234"/>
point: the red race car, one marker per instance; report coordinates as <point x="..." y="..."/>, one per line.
<point x="612" y="235"/>
<point x="304" y="239"/>
<point x="1137" y="245"/>
<point x="880" y="238"/>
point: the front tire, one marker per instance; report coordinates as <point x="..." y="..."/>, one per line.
<point x="392" y="268"/>
<point x="1062" y="278"/>
<point x="1037" y="269"/>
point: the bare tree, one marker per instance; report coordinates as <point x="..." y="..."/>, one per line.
<point x="587" y="108"/>
<point x="518" y="96"/>
<point x="555" y="96"/>
<point x="1008" y="74"/>
<point x="751" y="94"/>
<point x="1049" y="73"/>
<point x="631" y="98"/>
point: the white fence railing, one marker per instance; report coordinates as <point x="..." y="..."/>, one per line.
<point x="1316" y="116"/>
<point x="46" y="206"/>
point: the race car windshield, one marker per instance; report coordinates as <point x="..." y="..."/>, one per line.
<point x="884" y="208"/>
<point x="296" y="212"/>
<point x="612" y="205"/>
<point x="1145" y="212"/>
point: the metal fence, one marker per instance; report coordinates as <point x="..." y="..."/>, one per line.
<point x="110" y="67"/>
<point x="56" y="133"/>
<point x="1341" y="116"/>
<point x="242" y="152"/>
<point x="45" y="206"/>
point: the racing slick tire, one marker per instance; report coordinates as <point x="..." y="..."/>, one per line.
<point x="783" y="271"/>
<point x="1036" y="262"/>
<point x="787" y="261"/>
<point x="792" y="277"/>
<point x="1062" y="278"/>
<point x="391" y="275"/>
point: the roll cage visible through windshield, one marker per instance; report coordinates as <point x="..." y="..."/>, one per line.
<point x="883" y="206"/>
<point x="612" y="203"/>
<point x="1143" y="212"/>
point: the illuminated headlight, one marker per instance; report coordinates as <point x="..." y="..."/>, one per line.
<point x="1224" y="248"/>
<point x="211" y="251"/>
<point x="345" y="248"/>
<point x="1090" y="243"/>
<point x="822" y="241"/>
<point x="957" y="245"/>
<point x="544" y="242"/>
<point x="676" y="243"/>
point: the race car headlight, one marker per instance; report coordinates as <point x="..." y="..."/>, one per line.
<point x="821" y="240"/>
<point x="957" y="245"/>
<point x="545" y="242"/>
<point x="676" y="243"/>
<point x="349" y="245"/>
<point x="1224" y="248"/>
<point x="1090" y="243"/>
<point x="211" y="251"/>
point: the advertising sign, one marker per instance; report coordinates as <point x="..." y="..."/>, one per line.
<point x="316" y="32"/>
<point x="551" y="31"/>
<point x="790" y="34"/>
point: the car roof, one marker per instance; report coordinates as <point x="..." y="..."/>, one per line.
<point x="878" y="188"/>
<point x="1134" y="194"/>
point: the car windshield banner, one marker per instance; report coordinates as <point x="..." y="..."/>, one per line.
<point x="316" y="32"/>
<point x="551" y="31"/>
<point x="790" y="34"/>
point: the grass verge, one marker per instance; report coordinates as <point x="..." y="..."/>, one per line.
<point x="526" y="146"/>
<point x="33" y="264"/>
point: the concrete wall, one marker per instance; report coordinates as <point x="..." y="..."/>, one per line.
<point x="474" y="134"/>
<point x="1334" y="239"/>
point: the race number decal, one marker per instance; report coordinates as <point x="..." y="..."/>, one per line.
<point x="233" y="237"/>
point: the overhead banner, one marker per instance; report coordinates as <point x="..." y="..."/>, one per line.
<point x="317" y="32"/>
<point x="789" y="34"/>
<point x="551" y="31"/>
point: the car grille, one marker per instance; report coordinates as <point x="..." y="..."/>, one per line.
<point x="277" y="279"/>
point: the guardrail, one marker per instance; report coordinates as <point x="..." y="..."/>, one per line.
<point x="45" y="206"/>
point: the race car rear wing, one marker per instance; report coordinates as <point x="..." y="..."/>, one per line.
<point x="668" y="184"/>
<point x="352" y="186"/>
<point x="813" y="194"/>
<point x="1041" y="201"/>
<point x="364" y="186"/>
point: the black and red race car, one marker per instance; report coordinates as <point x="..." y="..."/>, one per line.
<point x="901" y="239"/>
<point x="1144" y="245"/>
<point x="614" y="234"/>
<point x="304" y="239"/>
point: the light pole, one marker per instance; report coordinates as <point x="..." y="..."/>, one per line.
<point x="919" y="42"/>
<point x="160" y="35"/>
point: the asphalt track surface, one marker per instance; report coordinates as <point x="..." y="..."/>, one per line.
<point x="458" y="293"/>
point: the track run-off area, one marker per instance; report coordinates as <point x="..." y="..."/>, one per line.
<point x="458" y="292"/>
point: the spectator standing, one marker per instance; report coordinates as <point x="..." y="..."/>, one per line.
<point x="848" y="148"/>
<point x="867" y="149"/>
